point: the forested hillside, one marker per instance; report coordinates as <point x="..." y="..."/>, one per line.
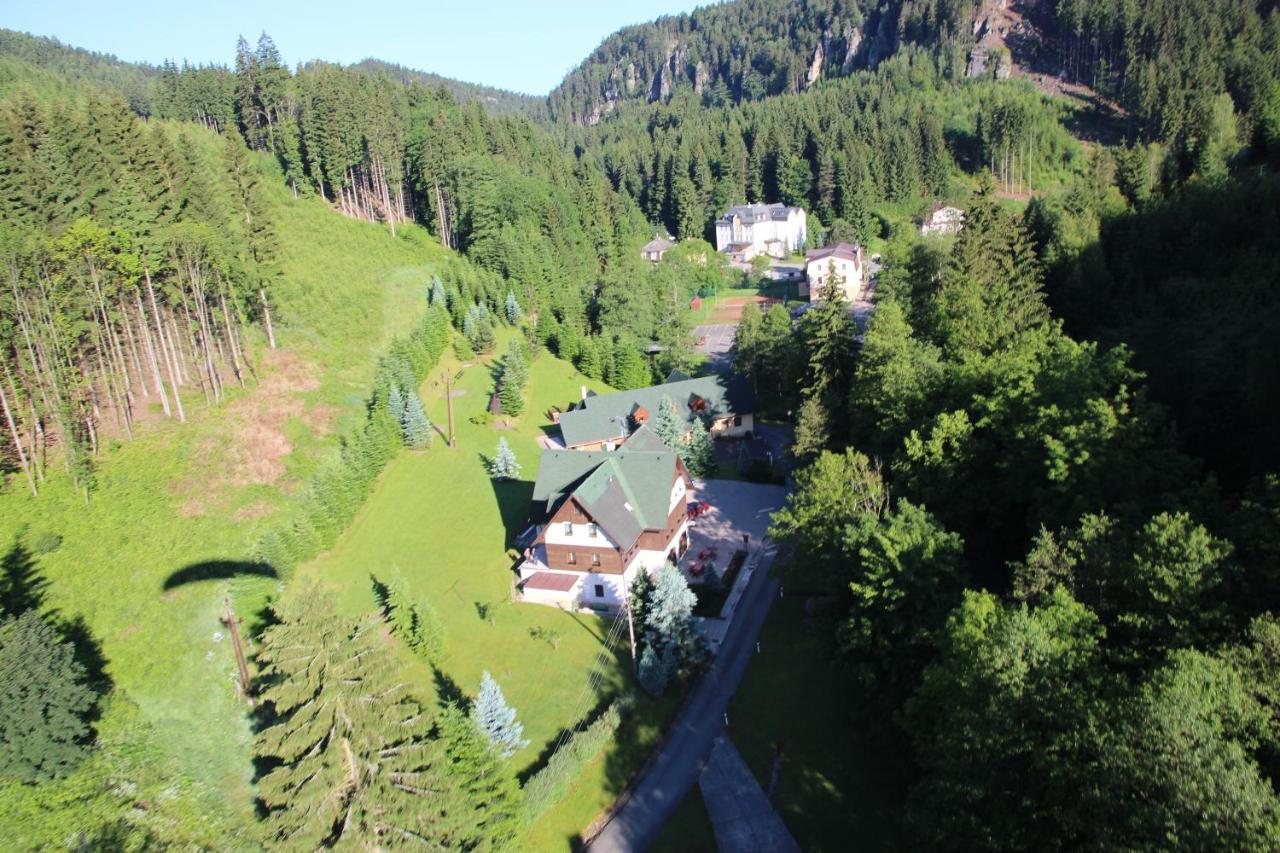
<point x="1035" y="506"/>
<point x="839" y="151"/>
<point x="752" y="49"/>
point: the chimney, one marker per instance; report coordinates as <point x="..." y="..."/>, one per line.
<point x="583" y="389"/>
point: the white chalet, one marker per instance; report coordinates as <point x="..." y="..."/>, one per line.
<point x="748" y="230"/>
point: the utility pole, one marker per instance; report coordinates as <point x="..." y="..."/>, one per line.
<point x="631" y="629"/>
<point x="448" y="399"/>
<point x="233" y="628"/>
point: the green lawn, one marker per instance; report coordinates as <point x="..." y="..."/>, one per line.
<point x="689" y="829"/>
<point x="181" y="495"/>
<point x="835" y="787"/>
<point x="437" y="519"/>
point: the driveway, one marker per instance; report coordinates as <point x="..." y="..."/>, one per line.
<point x="736" y="508"/>
<point x="719" y="340"/>
<point x="646" y="807"/>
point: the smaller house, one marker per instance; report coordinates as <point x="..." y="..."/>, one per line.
<point x="604" y="421"/>
<point x="656" y="248"/>
<point x="846" y="261"/>
<point x="602" y="517"/>
<point x="942" y="220"/>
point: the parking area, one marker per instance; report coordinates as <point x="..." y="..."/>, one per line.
<point x="737" y="508"/>
<point x="716" y="340"/>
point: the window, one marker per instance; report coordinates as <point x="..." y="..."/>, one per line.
<point x="595" y="559"/>
<point x="599" y="590"/>
<point x="568" y="528"/>
<point x="737" y="420"/>
<point x="573" y="559"/>
<point x="593" y="529"/>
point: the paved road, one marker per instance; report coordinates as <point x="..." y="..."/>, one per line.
<point x="741" y="815"/>
<point x="719" y="341"/>
<point x="672" y="773"/>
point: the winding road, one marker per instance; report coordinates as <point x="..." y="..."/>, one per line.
<point x="645" y="809"/>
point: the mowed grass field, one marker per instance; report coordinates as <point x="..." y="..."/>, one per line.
<point x="179" y="495"/>
<point x="437" y="519"/>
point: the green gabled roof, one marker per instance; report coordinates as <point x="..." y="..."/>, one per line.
<point x="607" y="416"/>
<point x="626" y="492"/>
<point x="644" y="438"/>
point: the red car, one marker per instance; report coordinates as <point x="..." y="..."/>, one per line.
<point x="697" y="508"/>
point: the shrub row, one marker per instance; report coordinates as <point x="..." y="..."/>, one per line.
<point x="546" y="787"/>
<point x="344" y="479"/>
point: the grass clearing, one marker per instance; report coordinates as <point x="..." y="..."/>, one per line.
<point x="178" y="496"/>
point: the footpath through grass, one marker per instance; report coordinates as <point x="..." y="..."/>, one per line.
<point x="439" y="520"/>
<point x="189" y="495"/>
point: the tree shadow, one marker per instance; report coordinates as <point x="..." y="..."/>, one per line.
<point x="514" y="499"/>
<point x="211" y="570"/>
<point x="448" y="692"/>
<point x="22" y="587"/>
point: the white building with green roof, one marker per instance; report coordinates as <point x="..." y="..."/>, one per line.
<point x="600" y="518"/>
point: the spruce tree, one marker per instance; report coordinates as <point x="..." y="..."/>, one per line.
<point x="669" y="624"/>
<point x="668" y="425"/>
<point x="415" y="425"/>
<point x="492" y="795"/>
<point x="352" y="763"/>
<point x="395" y="404"/>
<point x="43" y="702"/>
<point x="438" y="296"/>
<point x="512" y="308"/>
<point x="496" y="720"/>
<point x="414" y="621"/>
<point x="504" y="465"/>
<point x="813" y="429"/>
<point x="699" y="452"/>
<point x="654" y="673"/>
<point x="484" y="338"/>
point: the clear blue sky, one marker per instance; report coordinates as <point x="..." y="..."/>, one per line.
<point x="522" y="45"/>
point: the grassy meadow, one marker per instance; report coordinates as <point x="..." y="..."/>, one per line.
<point x="180" y="496"/>
<point x="440" y="522"/>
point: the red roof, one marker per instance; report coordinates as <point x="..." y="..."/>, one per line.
<point x="550" y="581"/>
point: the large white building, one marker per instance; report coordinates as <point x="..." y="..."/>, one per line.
<point x="761" y="229"/>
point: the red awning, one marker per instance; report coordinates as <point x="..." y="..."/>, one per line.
<point x="550" y="581"/>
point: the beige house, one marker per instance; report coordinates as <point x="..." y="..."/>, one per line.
<point x="749" y="230"/>
<point x="843" y="260"/>
<point x="656" y="248"/>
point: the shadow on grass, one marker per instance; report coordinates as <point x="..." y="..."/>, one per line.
<point x="448" y="692"/>
<point x="212" y="570"/>
<point x="514" y="498"/>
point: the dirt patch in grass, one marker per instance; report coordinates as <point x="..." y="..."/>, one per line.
<point x="257" y="509"/>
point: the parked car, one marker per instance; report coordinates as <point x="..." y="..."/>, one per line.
<point x="698" y="508"/>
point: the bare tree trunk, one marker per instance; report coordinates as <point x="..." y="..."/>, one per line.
<point x="133" y="347"/>
<point x="231" y="339"/>
<point x="148" y="345"/>
<point x="13" y="431"/>
<point x="266" y="317"/>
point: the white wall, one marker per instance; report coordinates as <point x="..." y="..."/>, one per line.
<point x="581" y="536"/>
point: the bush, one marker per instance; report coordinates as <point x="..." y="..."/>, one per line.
<point x="545" y="788"/>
